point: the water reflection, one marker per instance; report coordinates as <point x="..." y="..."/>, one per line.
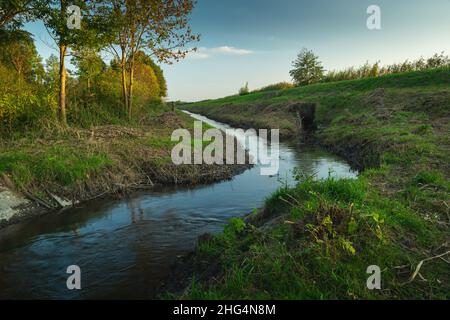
<point x="124" y="247"/>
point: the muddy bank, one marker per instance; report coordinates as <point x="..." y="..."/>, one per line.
<point x="136" y="159"/>
<point x="17" y="206"/>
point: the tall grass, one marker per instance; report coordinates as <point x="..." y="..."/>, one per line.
<point x="368" y="70"/>
<point x="275" y="86"/>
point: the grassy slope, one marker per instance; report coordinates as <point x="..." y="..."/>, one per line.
<point x="316" y="241"/>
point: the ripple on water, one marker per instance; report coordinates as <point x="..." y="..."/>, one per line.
<point x="124" y="247"/>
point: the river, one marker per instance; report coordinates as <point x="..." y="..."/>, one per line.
<point x="125" y="247"/>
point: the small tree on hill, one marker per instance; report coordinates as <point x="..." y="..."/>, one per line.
<point x="307" y="68"/>
<point x="244" y="90"/>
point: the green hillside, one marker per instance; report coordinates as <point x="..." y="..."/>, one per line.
<point x="315" y="241"/>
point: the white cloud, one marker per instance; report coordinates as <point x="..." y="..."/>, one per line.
<point x="231" y="51"/>
<point x="205" y="53"/>
<point x="199" y="54"/>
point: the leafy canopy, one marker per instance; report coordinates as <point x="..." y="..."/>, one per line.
<point x="307" y="68"/>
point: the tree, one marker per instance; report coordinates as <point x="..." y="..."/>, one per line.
<point x="143" y="58"/>
<point x="52" y="73"/>
<point x="55" y="17"/>
<point x="146" y="83"/>
<point x="159" y="27"/>
<point x="17" y="51"/>
<point x="14" y="12"/>
<point x="89" y="66"/>
<point x="307" y="68"/>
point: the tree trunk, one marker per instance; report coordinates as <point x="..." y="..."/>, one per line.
<point x="131" y="66"/>
<point x="62" y="84"/>
<point x="62" y="71"/>
<point x="130" y="88"/>
<point x="124" y="81"/>
<point x="89" y="85"/>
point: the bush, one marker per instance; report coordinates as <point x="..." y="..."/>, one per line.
<point x="26" y="111"/>
<point x="276" y="86"/>
<point x="375" y="70"/>
<point x="23" y="105"/>
<point x="244" y="90"/>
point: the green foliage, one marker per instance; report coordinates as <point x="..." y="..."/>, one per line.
<point x="29" y="94"/>
<point x="62" y="165"/>
<point x="19" y="53"/>
<point x="144" y="59"/>
<point x="93" y="28"/>
<point x="376" y="70"/>
<point x="319" y="250"/>
<point x="25" y="102"/>
<point x="25" y="111"/>
<point x="275" y="86"/>
<point x="307" y="68"/>
<point x="13" y="13"/>
<point x="429" y="177"/>
<point x="89" y="66"/>
<point x="51" y="78"/>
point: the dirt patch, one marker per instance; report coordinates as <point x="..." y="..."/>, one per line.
<point x="107" y="132"/>
<point x="170" y="119"/>
<point x="305" y="114"/>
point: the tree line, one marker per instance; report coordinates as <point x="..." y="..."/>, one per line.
<point x="308" y="69"/>
<point x="135" y="34"/>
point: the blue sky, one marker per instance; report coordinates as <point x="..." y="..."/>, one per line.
<point x="257" y="40"/>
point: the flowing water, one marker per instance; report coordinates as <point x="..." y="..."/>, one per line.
<point x="125" y="247"/>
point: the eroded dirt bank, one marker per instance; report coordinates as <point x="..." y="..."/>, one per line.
<point x="42" y="175"/>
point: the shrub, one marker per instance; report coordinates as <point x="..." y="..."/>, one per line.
<point x="374" y="70"/>
<point x="276" y="86"/>
<point x="244" y="90"/>
<point x="23" y="105"/>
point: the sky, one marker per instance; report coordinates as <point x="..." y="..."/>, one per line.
<point x="255" y="41"/>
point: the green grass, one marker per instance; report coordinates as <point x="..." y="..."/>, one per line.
<point x="81" y="163"/>
<point x="423" y="80"/>
<point x="328" y="233"/>
<point x="72" y="160"/>
<point x="61" y="165"/>
<point x="315" y="241"/>
<point x="160" y="142"/>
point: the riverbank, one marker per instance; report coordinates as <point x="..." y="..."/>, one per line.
<point x="316" y="240"/>
<point x="44" y="172"/>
